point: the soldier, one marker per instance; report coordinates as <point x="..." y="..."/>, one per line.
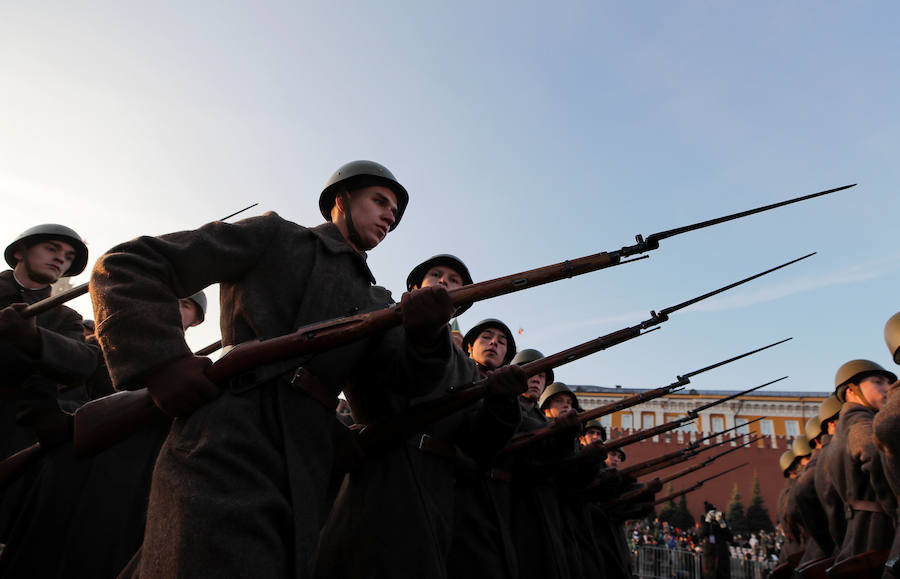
<point x="855" y="464"/>
<point x="536" y="518"/>
<point x="38" y="353"/>
<point x="832" y="504"/>
<point x="409" y="483"/>
<point x="86" y="517"/>
<point x="887" y="435"/>
<point x="240" y="486"/>
<point x="792" y="550"/>
<point x="812" y="515"/>
<point x="482" y="540"/>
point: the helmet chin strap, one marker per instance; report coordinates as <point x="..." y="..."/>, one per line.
<point x="858" y="391"/>
<point x="352" y="233"/>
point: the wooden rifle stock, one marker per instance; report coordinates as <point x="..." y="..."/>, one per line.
<point x="868" y="564"/>
<point x="333" y="333"/>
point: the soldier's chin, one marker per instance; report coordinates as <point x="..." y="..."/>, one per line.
<point x="41" y="277"/>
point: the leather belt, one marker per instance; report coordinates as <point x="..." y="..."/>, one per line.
<point x="303" y="379"/>
<point x="854" y="505"/>
<point x="446" y="450"/>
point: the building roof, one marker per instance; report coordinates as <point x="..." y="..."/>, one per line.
<point x="588" y="389"/>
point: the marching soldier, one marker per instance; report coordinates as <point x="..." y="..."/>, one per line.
<point x="887" y="435"/>
<point x="240" y="486"/>
<point x="855" y="464"/>
<point x="811" y="513"/>
<point x="40" y="352"/>
<point x="829" y="498"/>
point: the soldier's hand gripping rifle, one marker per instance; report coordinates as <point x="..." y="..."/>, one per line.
<point x="419" y="416"/>
<point x="525" y="439"/>
<point x="674" y="457"/>
<point x="137" y="409"/>
<point x="697" y="485"/>
<point x="597" y="451"/>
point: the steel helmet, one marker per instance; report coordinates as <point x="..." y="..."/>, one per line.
<point x="472" y="334"/>
<point x="892" y="336"/>
<point x="813" y="429"/>
<point x="828" y="410"/>
<point x="417" y="275"/>
<point x="530" y="355"/>
<point x="801" y="446"/>
<point x="357" y="174"/>
<point x="558" y="388"/>
<point x="855" y="371"/>
<point x="199" y="298"/>
<point x="786" y="461"/>
<point x="47" y="231"/>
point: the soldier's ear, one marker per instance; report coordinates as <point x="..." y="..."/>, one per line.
<point x="19" y="252"/>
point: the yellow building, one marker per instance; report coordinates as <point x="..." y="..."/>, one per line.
<point x="784" y="414"/>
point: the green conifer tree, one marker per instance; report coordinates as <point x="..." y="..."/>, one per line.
<point x="734" y="513"/>
<point x="757" y="514"/>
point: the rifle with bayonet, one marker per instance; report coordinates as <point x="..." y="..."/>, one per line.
<point x="528" y="438"/>
<point x="697" y="485"/>
<point x="598" y="451"/>
<point x="423" y="414"/>
<point x="708" y="461"/>
<point x="135" y="408"/>
<point x="691" y="450"/>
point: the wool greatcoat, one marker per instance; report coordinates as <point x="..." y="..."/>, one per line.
<point x="832" y="504"/>
<point x="240" y="486"/>
<point x="536" y="519"/>
<point x="394" y="515"/>
<point x="856" y="469"/>
<point x="29" y="383"/>
<point x="811" y="514"/>
<point x="887" y="436"/>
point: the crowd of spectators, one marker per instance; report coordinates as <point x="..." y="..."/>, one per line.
<point x="757" y="546"/>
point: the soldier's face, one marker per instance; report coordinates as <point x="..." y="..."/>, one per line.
<point x="613" y="459"/>
<point x="536" y="386"/>
<point x="442" y="275"/>
<point x="557" y="405"/>
<point x="489" y="348"/>
<point x="875" y="388"/>
<point x="190" y="313"/>
<point x="591" y="435"/>
<point x="374" y="210"/>
<point x="44" y="262"/>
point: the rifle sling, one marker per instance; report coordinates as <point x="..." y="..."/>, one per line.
<point x="868" y="506"/>
<point x="303" y="379"/>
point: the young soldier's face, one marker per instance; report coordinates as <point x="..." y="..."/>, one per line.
<point x="44" y="262"/>
<point x="374" y="210"/>
<point x="489" y="348"/>
<point x="190" y="313"/>
<point x="613" y="459"/>
<point x="591" y="435"/>
<point x="875" y="388"/>
<point x="536" y="386"/>
<point x="557" y="405"/>
<point x="442" y="275"/>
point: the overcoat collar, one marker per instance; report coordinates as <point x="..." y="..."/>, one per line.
<point x="333" y="240"/>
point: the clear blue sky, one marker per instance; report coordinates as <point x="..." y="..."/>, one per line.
<point x="526" y="133"/>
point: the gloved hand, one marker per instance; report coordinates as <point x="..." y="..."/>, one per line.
<point x="506" y="381"/>
<point x="180" y="387"/>
<point x="426" y="313"/>
<point x="20" y="331"/>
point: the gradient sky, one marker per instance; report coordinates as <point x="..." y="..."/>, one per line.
<point x="526" y="133"/>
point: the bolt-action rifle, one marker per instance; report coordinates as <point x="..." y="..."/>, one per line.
<point x="691" y="450"/>
<point x="136" y="406"/>
<point x="524" y="439"/>
<point x="423" y="414"/>
<point x="598" y="451"/>
<point x="697" y="485"/>
<point x="708" y="461"/>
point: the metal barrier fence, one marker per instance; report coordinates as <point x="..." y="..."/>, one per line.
<point x="663" y="563"/>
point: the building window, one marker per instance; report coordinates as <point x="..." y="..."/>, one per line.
<point x="741" y="424"/>
<point x="606" y="421"/>
<point x="626" y="420"/>
<point x="791" y="427"/>
<point x="766" y="428"/>
<point x="648" y="420"/>
<point x="718" y="424"/>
